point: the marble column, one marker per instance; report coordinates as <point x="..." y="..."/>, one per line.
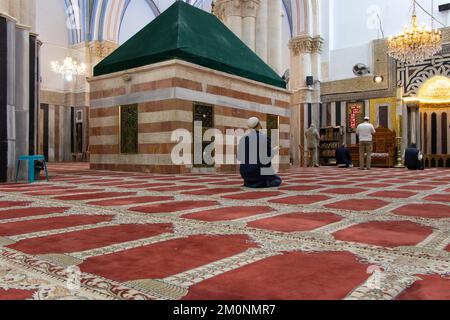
<point x="301" y="48"/>
<point x="305" y="58"/>
<point x="22" y="92"/>
<point x="15" y="87"/>
<point x="249" y="11"/>
<point x="4" y="133"/>
<point x="418" y="131"/>
<point x="8" y="103"/>
<point x="275" y="35"/>
<point x="412" y="123"/>
<point x="316" y="63"/>
<point x="235" y="25"/>
<point x="262" y="31"/>
<point x="229" y="12"/>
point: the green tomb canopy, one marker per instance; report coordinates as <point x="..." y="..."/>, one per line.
<point x="186" y="33"/>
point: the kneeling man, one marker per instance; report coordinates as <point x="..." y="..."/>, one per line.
<point x="414" y="158"/>
<point x="255" y="155"/>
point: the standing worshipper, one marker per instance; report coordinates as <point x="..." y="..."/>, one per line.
<point x="312" y="143"/>
<point x="343" y="157"/>
<point x="365" y="131"/>
<point x="255" y="154"/>
<point x="414" y="158"/>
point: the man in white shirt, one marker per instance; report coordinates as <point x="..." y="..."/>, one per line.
<point x="365" y="131"/>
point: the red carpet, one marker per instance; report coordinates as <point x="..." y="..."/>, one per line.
<point x="100" y="195"/>
<point x="7" y="204"/>
<point x="419" y="187"/>
<point x="253" y="195"/>
<point x="386" y="234"/>
<point x="129" y="201"/>
<point x="166" y="258"/>
<point x="211" y="192"/>
<point x="60" y="192"/>
<point x="439" y="197"/>
<point x="393" y="194"/>
<point x="435" y="211"/>
<point x="22" y="227"/>
<point x="358" y="205"/>
<point x="184" y="226"/>
<point x="374" y="185"/>
<point x="295" y="222"/>
<point x="175" y="189"/>
<point x="14" y="294"/>
<point x="296" y="200"/>
<point x="29" y="212"/>
<point x="430" y="288"/>
<point x="89" y="239"/>
<point x="174" y="206"/>
<point x="292" y="276"/>
<point x="301" y="188"/>
<point x="344" y="190"/>
<point x="227" y="213"/>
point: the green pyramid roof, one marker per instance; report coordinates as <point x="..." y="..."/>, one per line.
<point x="193" y="35"/>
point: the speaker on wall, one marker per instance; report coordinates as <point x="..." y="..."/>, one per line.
<point x="444" y="7"/>
<point x="309" y="81"/>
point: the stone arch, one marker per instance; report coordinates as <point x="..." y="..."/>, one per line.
<point x="101" y="19"/>
<point x="116" y="10"/>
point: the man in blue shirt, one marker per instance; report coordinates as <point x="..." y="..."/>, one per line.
<point x="343" y="157"/>
<point x="255" y="154"/>
<point x="414" y="158"/>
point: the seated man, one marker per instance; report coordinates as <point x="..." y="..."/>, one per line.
<point x="343" y="157"/>
<point x="255" y="154"/>
<point x="414" y="158"/>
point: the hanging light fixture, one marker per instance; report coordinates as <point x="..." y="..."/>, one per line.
<point x="69" y="68"/>
<point x="415" y="44"/>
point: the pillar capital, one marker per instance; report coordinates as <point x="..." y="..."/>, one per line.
<point x="306" y="44"/>
<point x="250" y="8"/>
<point x="102" y="49"/>
<point x="243" y="8"/>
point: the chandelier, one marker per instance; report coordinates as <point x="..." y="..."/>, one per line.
<point x="69" y="68"/>
<point x="415" y="44"/>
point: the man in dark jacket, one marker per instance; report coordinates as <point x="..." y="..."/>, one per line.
<point x="343" y="157"/>
<point x="255" y="155"/>
<point x="414" y="158"/>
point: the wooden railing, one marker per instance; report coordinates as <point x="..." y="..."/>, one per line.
<point x="437" y="160"/>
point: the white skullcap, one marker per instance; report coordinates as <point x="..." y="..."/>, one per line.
<point x="252" y="123"/>
<point x="367" y="118"/>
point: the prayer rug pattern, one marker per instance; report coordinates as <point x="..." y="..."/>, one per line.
<point x="324" y="234"/>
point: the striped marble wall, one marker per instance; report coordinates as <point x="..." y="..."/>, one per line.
<point x="165" y="94"/>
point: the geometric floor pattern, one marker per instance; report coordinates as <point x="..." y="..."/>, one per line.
<point x="326" y="234"/>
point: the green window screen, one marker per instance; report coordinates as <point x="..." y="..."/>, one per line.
<point x="129" y="129"/>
